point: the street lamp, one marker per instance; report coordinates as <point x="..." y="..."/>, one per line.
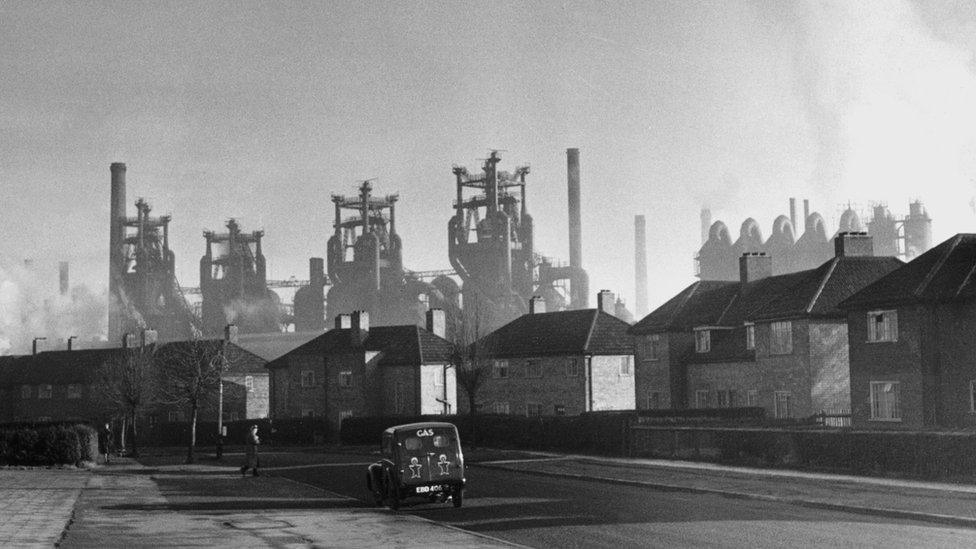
<point x="219" y="362"/>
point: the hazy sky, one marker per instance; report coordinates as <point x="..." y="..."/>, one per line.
<point x="260" y="111"/>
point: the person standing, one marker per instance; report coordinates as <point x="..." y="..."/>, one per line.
<point x="251" y="452"/>
<point x="106" y="442"/>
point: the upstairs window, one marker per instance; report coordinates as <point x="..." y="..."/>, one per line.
<point x="723" y="399"/>
<point x="654" y="347"/>
<point x="345" y="378"/>
<point x="44" y="391"/>
<point x="74" y="390"/>
<point x="783" y="404"/>
<point x="701" y="398"/>
<point x="249" y="383"/>
<point x="533" y="409"/>
<point x="703" y="341"/>
<point x="781" y="340"/>
<point x="533" y="368"/>
<point x="25" y="392"/>
<point x="308" y="378"/>
<point x="501" y="407"/>
<point x="499" y="369"/>
<point x="573" y="367"/>
<point x="750" y="336"/>
<point x="559" y="409"/>
<point x="654" y="400"/>
<point x="882" y="326"/>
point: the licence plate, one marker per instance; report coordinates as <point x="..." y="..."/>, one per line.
<point x="428" y="489"/>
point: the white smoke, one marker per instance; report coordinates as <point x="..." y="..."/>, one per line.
<point x="29" y="310"/>
<point x="892" y="107"/>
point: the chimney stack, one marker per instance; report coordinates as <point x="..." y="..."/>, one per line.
<point x="793" y="216"/>
<point x="806" y="211"/>
<point x="116" y="244"/>
<point x="360" y="327"/>
<point x="63" y="277"/>
<point x="853" y="244"/>
<point x="754" y="266"/>
<point x="230" y="333"/>
<point x="149" y="337"/>
<point x="537" y="305"/>
<point x="606" y="302"/>
<point x="36" y="345"/>
<point x="71" y="339"/>
<point x="343" y="322"/>
<point x="640" y="265"/>
<point x="575" y="218"/>
<point x="437" y="322"/>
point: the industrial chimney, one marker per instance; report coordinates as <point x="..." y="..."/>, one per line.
<point x="640" y="265"/>
<point x="116" y="243"/>
<point x="706" y="224"/>
<point x="579" y="287"/>
<point x="63" y="277"/>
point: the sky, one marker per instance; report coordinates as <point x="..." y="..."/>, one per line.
<point x="261" y="111"/>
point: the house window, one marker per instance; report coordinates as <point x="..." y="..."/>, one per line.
<point x="499" y="369"/>
<point x="701" y="398"/>
<point x="722" y="399"/>
<point x="439" y="376"/>
<point x="25" y="392"/>
<point x="501" y="408"/>
<point x="783" y="405"/>
<point x="533" y="409"/>
<point x="344" y="414"/>
<point x="882" y="326"/>
<point x="573" y="367"/>
<point x="750" y="336"/>
<point x="533" y="368"/>
<point x="345" y="378"/>
<point x="626" y="365"/>
<point x="559" y="409"/>
<point x="249" y="383"/>
<point x="654" y="349"/>
<point x="654" y="400"/>
<point x="74" y="390"/>
<point x="44" y="391"/>
<point x="308" y="412"/>
<point x="886" y="400"/>
<point x="308" y="378"/>
<point x="703" y="341"/>
<point x="752" y="397"/>
<point x="782" y="338"/>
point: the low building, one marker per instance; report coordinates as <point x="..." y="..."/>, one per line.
<point x="777" y="342"/>
<point x="559" y="363"/>
<point x="355" y="370"/>
<point x="912" y="350"/>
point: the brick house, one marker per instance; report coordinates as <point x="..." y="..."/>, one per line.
<point x="559" y="363"/>
<point x="912" y="350"/>
<point x="59" y="385"/>
<point x="355" y="369"/>
<point x="778" y="342"/>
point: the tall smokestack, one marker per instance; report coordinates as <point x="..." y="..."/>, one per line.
<point x="116" y="243"/>
<point x="640" y="265"/>
<point x="575" y="223"/>
<point x="796" y="230"/>
<point x="706" y="224"/>
<point x="63" y="277"/>
<point x="806" y="211"/>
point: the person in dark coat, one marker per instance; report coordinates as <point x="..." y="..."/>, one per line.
<point x="106" y="442"/>
<point x="251" y="452"/>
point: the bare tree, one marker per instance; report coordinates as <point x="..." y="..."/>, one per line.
<point x="190" y="376"/>
<point x="471" y="355"/>
<point x="127" y="384"/>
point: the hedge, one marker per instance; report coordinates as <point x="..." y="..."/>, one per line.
<point x="48" y="445"/>
<point x="299" y="431"/>
<point x="599" y="433"/>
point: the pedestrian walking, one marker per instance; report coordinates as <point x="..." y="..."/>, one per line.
<point x="251" y="460"/>
<point x="106" y="442"/>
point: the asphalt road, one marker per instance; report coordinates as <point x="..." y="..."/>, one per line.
<point x="549" y="512"/>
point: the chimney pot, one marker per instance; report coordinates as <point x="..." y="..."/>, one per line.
<point x="437" y="323"/>
<point x="537" y="305"/>
<point x="128" y="340"/>
<point x="853" y="244"/>
<point x="343" y="322"/>
<point x="230" y="333"/>
<point x="360" y="321"/>
<point x="754" y="266"/>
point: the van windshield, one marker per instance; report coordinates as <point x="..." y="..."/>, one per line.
<point x="428" y="440"/>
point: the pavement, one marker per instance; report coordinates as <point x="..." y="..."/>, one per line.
<point x="126" y="504"/>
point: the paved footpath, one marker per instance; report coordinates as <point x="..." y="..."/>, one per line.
<point x="939" y="502"/>
<point x="36" y="504"/>
<point x="130" y="505"/>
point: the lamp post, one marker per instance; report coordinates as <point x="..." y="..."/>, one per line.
<point x="219" y="362"/>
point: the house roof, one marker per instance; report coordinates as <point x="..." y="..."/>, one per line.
<point x="584" y="331"/>
<point x="54" y="367"/>
<point x="813" y="292"/>
<point x="273" y="345"/>
<point x="943" y="273"/>
<point x="397" y="345"/>
<point x="239" y="360"/>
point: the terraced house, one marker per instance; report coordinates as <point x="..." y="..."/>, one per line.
<point x="777" y="342"/>
<point x="560" y="363"/>
<point x="912" y="345"/>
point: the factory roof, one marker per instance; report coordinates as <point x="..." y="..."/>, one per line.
<point x="814" y="292"/>
<point x="397" y="345"/>
<point x="584" y="331"/>
<point x="946" y="272"/>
